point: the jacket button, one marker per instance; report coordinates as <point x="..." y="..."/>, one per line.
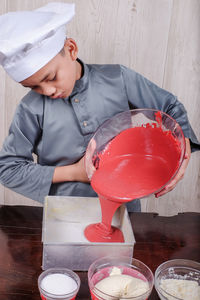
<point x="85" y="123"/>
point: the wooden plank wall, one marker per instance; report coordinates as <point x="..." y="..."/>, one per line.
<point x="159" y="39"/>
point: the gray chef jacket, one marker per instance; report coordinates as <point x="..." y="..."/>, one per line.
<point x="58" y="130"/>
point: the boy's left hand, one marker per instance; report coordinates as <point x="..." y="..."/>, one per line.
<point x="180" y="173"/>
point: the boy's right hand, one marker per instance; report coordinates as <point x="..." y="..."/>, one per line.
<point x="80" y="171"/>
<point x="74" y="172"/>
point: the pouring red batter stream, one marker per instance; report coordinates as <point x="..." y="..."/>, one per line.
<point x="137" y="162"/>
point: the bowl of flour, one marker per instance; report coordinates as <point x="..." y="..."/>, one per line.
<point x="178" y="279"/>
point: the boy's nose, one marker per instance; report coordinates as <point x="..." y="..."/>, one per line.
<point x="48" y="90"/>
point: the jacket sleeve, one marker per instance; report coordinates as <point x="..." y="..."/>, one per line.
<point x="142" y="93"/>
<point x="18" y="171"/>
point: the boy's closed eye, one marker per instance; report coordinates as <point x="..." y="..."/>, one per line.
<point x="52" y="79"/>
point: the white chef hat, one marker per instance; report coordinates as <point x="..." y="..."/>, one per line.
<point x="30" y="39"/>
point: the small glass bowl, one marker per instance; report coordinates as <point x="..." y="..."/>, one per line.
<point x="181" y="269"/>
<point x="101" y="268"/>
<point x="47" y="295"/>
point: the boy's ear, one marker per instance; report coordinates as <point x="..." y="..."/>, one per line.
<point x="71" y="47"/>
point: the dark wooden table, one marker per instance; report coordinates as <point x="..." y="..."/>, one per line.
<point x="157" y="240"/>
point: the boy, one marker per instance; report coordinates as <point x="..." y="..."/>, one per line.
<point x="68" y="101"/>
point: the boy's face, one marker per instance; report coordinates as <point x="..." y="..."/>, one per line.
<point x="57" y="78"/>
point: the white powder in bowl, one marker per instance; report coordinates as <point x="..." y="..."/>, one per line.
<point x="180" y="288"/>
<point x="58" y="284"/>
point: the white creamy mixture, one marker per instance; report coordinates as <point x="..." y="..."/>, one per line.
<point x="180" y="288"/>
<point x="58" y="284"/>
<point x="120" y="285"/>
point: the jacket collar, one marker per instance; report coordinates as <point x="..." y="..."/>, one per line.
<point x="82" y="83"/>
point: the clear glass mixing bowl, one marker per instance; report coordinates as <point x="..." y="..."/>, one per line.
<point x="177" y="269"/>
<point x="130" y="119"/>
<point x="102" y="268"/>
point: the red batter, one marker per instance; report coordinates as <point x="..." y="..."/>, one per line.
<point x="137" y="162"/>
